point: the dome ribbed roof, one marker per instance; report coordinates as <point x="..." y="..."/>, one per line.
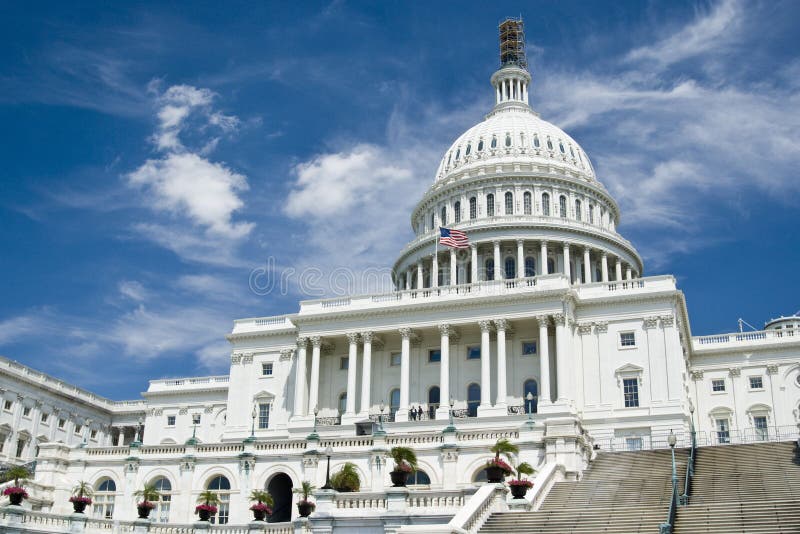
<point x="518" y="135"/>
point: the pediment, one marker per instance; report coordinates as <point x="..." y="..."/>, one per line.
<point x="629" y="368"/>
<point x="264" y="394"/>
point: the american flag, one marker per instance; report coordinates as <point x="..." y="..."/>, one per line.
<point x="453" y="238"/>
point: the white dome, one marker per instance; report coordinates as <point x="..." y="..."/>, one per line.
<point x="515" y="130"/>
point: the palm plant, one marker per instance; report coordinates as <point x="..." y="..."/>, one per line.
<point x="404" y="456"/>
<point x="346" y="479"/>
<point x="16" y="474"/>
<point x="208" y="497"/>
<point x="524" y="469"/>
<point x="82" y="489"/>
<point x="305" y="489"/>
<point x="504" y="447"/>
<point x="262" y="497"/>
<point x="148" y="493"/>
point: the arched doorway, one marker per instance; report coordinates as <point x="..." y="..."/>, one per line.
<point x="280" y="487"/>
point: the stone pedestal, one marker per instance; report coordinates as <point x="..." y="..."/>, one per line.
<point x="301" y="525"/>
<point x="519" y="505"/>
<point x="255" y="527"/>
<point x="396" y="500"/>
<point x="325" y="502"/>
<point x="13" y="523"/>
<point x="492" y="411"/>
<point x="202" y="527"/>
<point x="77" y="523"/>
<point x="141" y="526"/>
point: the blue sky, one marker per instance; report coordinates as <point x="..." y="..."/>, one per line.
<point x="156" y="155"/>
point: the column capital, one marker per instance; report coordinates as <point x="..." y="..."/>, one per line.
<point x="735" y="371"/>
<point x="496" y="242"/>
<point x="543" y="320"/>
<point x="520" y="242"/>
<point x="446" y="329"/>
<point x="485" y="325"/>
<point x="696" y="375"/>
<point x="501" y="324"/>
<point x="543" y="242"/>
<point x="406" y="333"/>
<point x="352" y="337"/>
<point x="603" y="254"/>
<point x="772" y="369"/>
<point x="566" y="245"/>
<point x="316" y="341"/>
<point x="667" y="320"/>
<point x="558" y="318"/>
<point x="650" y="322"/>
<point x="301" y="342"/>
<point x="366" y="337"/>
<point x="473" y="246"/>
<point x="601" y="327"/>
<point x="584" y="328"/>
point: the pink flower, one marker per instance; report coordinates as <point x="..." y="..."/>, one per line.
<point x="84" y="500"/>
<point x="494" y="462"/>
<point x="205" y="507"/>
<point x="15" y="490"/>
<point x="145" y="504"/>
<point x="261" y="507"/>
<point x="519" y="482"/>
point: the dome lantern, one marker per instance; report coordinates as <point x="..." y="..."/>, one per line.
<point x="511" y="81"/>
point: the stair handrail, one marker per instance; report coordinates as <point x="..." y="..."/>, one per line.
<point x="687" y="484"/>
<point x="666" y="527"/>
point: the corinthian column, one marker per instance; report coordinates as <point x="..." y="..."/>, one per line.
<point x="313" y="392"/>
<point x="486" y="369"/>
<point x="366" y="371"/>
<point x="444" y="372"/>
<point x="544" y="360"/>
<point x="405" y="373"/>
<point x="497" y="267"/>
<point x="352" y="368"/>
<point x="567" y="266"/>
<point x="300" y="378"/>
<point x="501" y="325"/>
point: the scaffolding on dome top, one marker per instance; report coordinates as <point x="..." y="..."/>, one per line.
<point x="512" y="43"/>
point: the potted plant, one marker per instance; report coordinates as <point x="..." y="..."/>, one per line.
<point x="346" y="479"/>
<point x="519" y="485"/>
<point x="263" y="506"/>
<point x="207" y="499"/>
<point x="16" y="492"/>
<point x="304" y="506"/>
<point x="81" y="496"/>
<point x="497" y="469"/>
<point x="148" y="493"/>
<point x="405" y="463"/>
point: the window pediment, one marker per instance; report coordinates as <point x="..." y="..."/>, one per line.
<point x="629" y="370"/>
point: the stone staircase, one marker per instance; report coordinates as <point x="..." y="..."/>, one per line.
<point x="748" y="489"/>
<point x="622" y="492"/>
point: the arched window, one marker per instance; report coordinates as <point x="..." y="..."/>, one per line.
<point x="549" y="144"/>
<point x="458" y="154"/>
<point x="561" y="147"/>
<point x="535" y="141"/>
<point x="394" y="401"/>
<point x="164" y="487"/>
<point x="508" y="140"/>
<point x="473" y="207"/>
<point x="468" y="150"/>
<point x="473" y="399"/>
<point x="443" y="219"/>
<point x="490" y="205"/>
<point x="598" y="274"/>
<point x="103" y="500"/>
<point x="457" y="212"/>
<point x="433" y="221"/>
<point x="527" y="203"/>
<point x="571" y="151"/>
<point x="551" y="265"/>
<point x="509" y="203"/>
<point x="591" y="214"/>
<point x="530" y="266"/>
<point x="511" y="268"/>
<point x="494" y="142"/>
<point x="468" y="272"/>
<point x="489" y="269"/>
<point x="222" y="487"/>
<point x="342" y="403"/>
<point x="418" y="478"/>
<point x="545" y="204"/>
<point x="480" y="145"/>
<point x="530" y="386"/>
<point x="449" y="157"/>
<point x="433" y="401"/>
<point x="562" y="206"/>
<point x="577" y="209"/>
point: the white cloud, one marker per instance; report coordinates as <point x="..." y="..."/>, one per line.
<point x="15" y="328"/>
<point x="133" y="290"/>
<point x="708" y="32"/>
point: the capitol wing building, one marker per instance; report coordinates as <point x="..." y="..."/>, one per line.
<point x="542" y="329"/>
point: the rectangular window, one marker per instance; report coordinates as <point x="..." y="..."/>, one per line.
<point x="633" y="444"/>
<point x="171" y="420"/>
<point x="756" y="382"/>
<point x="93" y="434"/>
<point x="627" y="339"/>
<point x="394" y="359"/>
<point x="630" y="387"/>
<point x="20" y="447"/>
<point x="435" y="355"/>
<point x="7" y="405"/>
<point x="723" y="431"/>
<point x="263" y="415"/>
<point x="718" y="385"/>
<point x="61" y="423"/>
<point x="760" y="423"/>
<point x="528" y="348"/>
<point x="266" y="369"/>
<point x="78" y="429"/>
<point x="196" y="419"/>
<point x="26" y="411"/>
<point x="44" y="418"/>
<point x="474" y="353"/>
<point x="344" y="363"/>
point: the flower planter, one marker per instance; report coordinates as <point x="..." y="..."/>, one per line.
<point x="399" y="478"/>
<point x="305" y="508"/>
<point x="204" y="514"/>
<point x="495" y="474"/>
<point x="259" y="515"/>
<point x="518" y="491"/>
<point x="15" y="498"/>
<point x="79" y="506"/>
<point x="144" y="511"/>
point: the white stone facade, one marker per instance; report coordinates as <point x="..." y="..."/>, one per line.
<point x="548" y="300"/>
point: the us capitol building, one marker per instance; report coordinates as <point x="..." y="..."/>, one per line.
<point x="545" y="330"/>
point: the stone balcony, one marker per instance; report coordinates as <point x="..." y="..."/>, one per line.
<point x="737" y="340"/>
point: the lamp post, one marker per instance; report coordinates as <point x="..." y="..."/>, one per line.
<point x="328" y="452"/>
<point x="253" y="416"/>
<point x="450" y="427"/>
<point x="691" y="414"/>
<point x="380" y="418"/>
<point x="673" y="440"/>
<point x="137" y="442"/>
<point x="530" y="398"/>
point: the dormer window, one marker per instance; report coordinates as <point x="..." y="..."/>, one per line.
<point x="494" y="142"/>
<point x="535" y="141"/>
<point x="468" y="150"/>
<point x="480" y="145"/>
<point x="458" y="154"/>
<point x="508" y="140"/>
<point x="561" y="147"/>
<point x="549" y="144"/>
